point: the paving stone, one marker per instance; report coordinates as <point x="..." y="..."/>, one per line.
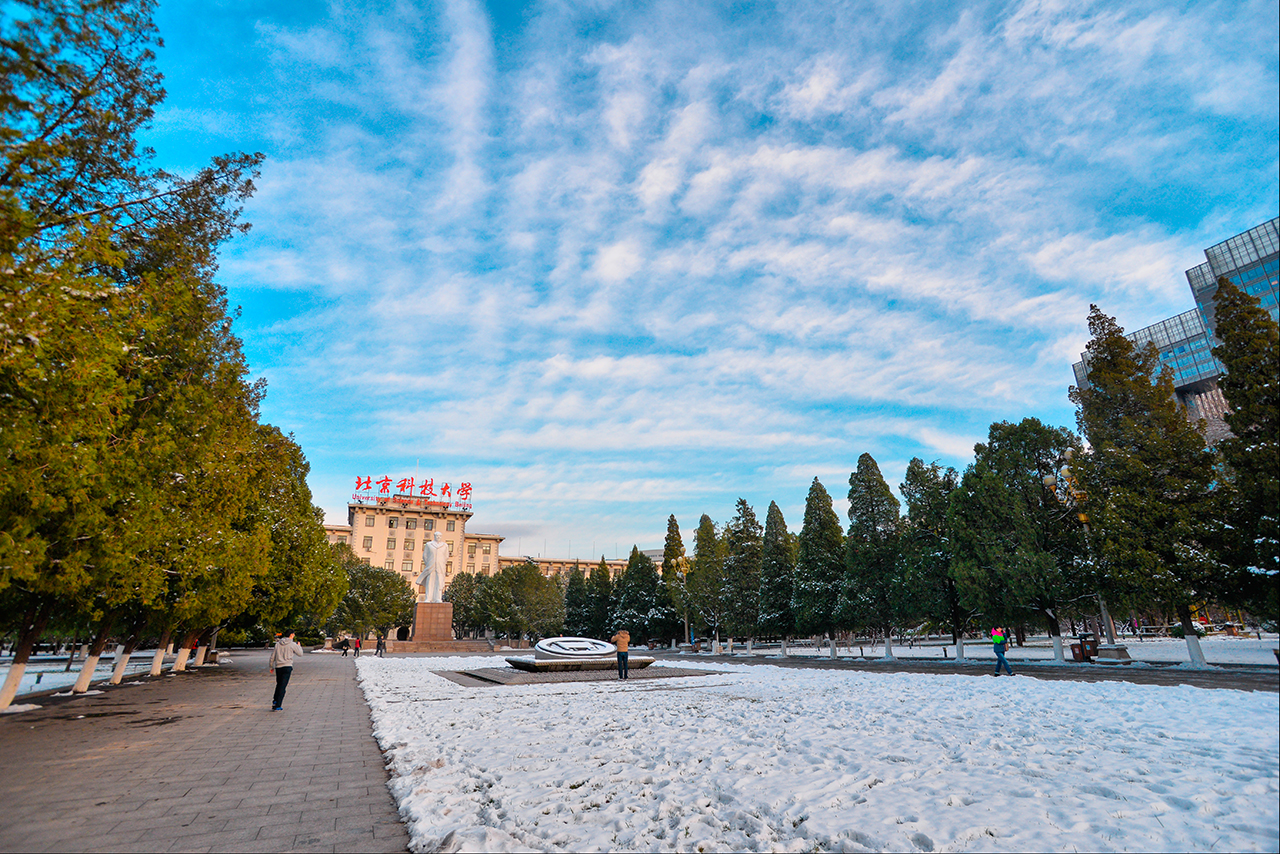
<point x="198" y="762"/>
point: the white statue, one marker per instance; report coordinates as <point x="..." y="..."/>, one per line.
<point x="434" y="554"/>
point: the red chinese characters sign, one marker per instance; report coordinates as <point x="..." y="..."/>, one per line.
<point x="410" y="492"/>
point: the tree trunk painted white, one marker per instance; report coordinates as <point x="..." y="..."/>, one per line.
<point x="730" y="647"/>
<point x="200" y="654"/>
<point x="1197" y="654"/>
<point x="960" y="648"/>
<point x="168" y="650"/>
<point x="117" y="672"/>
<point x="833" y="646"/>
<point x="784" y="647"/>
<point x="119" y="652"/>
<point x="86" y="674"/>
<point x="181" y="663"/>
<point x="715" y="646"/>
<point x="1057" y="649"/>
<point x="11" y="682"/>
<point x="888" y="646"/>
<point x="749" y="646"/>
<point x="157" y="661"/>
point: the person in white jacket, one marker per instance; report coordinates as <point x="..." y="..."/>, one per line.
<point x="281" y="664"/>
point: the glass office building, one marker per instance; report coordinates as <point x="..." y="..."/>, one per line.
<point x="1251" y="260"/>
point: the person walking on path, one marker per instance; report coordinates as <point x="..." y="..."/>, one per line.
<point x="998" y="644"/>
<point x="356" y="644"/>
<point x="381" y="649"/>
<point x="346" y="645"/>
<point x="281" y="663"/>
<point x="621" y="640"/>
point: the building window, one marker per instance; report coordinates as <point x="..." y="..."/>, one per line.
<point x="365" y="561"/>
<point x="368" y="544"/>
<point x="487" y="549"/>
<point x="408" y="545"/>
<point x="391" y="543"/>
<point x="485" y="567"/>
<point x="429" y="524"/>
<point x="471" y="567"/>
<point x="407" y="567"/>
<point x="449" y="526"/>
<point x="390" y="564"/>
<point x="392" y="521"/>
<point x="451" y="547"/>
<point x="341" y="539"/>
<point x="448" y="567"/>
<point x="411" y="523"/>
<point x="368" y="521"/>
<point x="471" y="550"/>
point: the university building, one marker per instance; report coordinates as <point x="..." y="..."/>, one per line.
<point x="1251" y="261"/>
<point x="391" y="532"/>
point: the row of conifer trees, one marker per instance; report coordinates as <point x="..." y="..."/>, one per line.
<point x="1141" y="514"/>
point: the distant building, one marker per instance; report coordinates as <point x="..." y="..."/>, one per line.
<point x="391" y="532"/>
<point x="1251" y="260"/>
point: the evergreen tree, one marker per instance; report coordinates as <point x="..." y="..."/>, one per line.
<point x="927" y="546"/>
<point x="671" y="590"/>
<point x="1249" y="498"/>
<point x="636" y="594"/>
<point x="376" y="598"/>
<point x="819" y="564"/>
<point x="672" y="547"/>
<point x="743" y="561"/>
<point x="536" y="602"/>
<point x="777" y="568"/>
<point x="1018" y="550"/>
<point x="706" y="582"/>
<point x="577" y="605"/>
<point x="1147" y="477"/>
<point x="462" y="592"/>
<point x="600" y="590"/>
<point x="872" y="594"/>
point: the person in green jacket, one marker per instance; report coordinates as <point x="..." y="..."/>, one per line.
<point x="998" y="644"/>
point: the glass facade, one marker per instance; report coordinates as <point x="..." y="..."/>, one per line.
<point x="1251" y="260"/>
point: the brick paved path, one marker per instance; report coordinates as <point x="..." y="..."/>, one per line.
<point x="197" y="762"/>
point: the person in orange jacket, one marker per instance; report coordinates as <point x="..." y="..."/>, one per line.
<point x="621" y="640"/>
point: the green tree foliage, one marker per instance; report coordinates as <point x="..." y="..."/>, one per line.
<point x="600" y="591"/>
<point x="1018" y="551"/>
<point x="675" y="568"/>
<point x="872" y="595"/>
<point x="1249" y="497"/>
<point x="819" y="564"/>
<point x="743" y="562"/>
<point x="463" y="593"/>
<point x="708" y="595"/>
<point x="376" y="598"/>
<point x="927" y="546"/>
<point x="120" y="381"/>
<point x="1147" y="477"/>
<point x="305" y="577"/>
<point x="777" y="568"/>
<point x="577" y="605"/>
<point x="636" y="594"/>
<point x="536" y="602"/>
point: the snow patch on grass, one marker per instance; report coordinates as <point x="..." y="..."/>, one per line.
<point x="762" y="758"/>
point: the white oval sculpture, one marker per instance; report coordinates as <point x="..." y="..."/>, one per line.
<point x="571" y="648"/>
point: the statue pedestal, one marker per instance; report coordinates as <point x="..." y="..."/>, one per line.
<point x="433" y="621"/>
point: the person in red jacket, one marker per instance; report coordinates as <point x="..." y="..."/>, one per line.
<point x="998" y="639"/>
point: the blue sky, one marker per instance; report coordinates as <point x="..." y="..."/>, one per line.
<point x="611" y="261"/>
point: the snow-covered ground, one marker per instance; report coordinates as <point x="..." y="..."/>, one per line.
<point x="762" y="758"/>
<point x="46" y="672"/>
<point x="1217" y="650"/>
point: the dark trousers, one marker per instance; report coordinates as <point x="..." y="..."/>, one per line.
<point x="282" y="682"/>
<point x="622" y="664"/>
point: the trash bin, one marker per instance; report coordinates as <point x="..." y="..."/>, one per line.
<point x="1077" y="653"/>
<point x="1089" y="646"/>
